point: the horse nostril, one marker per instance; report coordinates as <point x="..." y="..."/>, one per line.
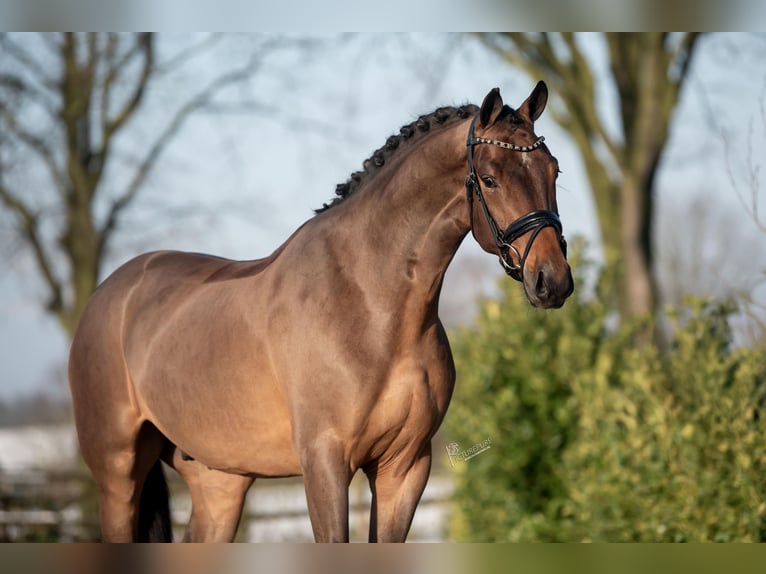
<point x="540" y="288"/>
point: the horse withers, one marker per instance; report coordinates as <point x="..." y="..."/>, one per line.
<point x="324" y="358"/>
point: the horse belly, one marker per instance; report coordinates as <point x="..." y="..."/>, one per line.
<point x="214" y="394"/>
<point x="245" y="429"/>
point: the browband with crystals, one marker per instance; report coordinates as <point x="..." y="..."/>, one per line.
<point x="506" y="145"/>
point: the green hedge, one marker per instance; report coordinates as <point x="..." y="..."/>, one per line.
<point x="597" y="438"/>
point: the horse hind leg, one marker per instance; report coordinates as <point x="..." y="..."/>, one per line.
<point x="121" y="472"/>
<point x="217" y="498"/>
<point x="116" y="442"/>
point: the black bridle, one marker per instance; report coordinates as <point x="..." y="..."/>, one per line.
<point x="534" y="221"/>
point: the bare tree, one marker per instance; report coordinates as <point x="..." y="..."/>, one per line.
<point x="745" y="180"/>
<point x="65" y="102"/>
<point x="647" y="72"/>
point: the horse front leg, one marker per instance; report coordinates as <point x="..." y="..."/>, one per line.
<point x="396" y="490"/>
<point x="326" y="479"/>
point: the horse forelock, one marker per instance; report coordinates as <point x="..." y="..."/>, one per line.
<point x="394" y="144"/>
<point x="513" y="116"/>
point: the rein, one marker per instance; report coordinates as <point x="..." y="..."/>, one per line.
<point x="534" y="221"/>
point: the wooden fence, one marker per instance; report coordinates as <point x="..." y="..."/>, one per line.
<point x="59" y="506"/>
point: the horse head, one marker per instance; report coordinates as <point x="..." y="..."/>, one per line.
<point x="511" y="189"/>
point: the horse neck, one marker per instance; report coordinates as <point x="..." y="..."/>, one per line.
<point x="407" y="222"/>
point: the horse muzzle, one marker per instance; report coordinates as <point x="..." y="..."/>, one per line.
<point x="547" y="287"/>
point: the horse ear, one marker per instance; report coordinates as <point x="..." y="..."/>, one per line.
<point x="533" y="106"/>
<point x="490" y="107"/>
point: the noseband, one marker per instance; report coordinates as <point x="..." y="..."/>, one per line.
<point x="533" y="221"/>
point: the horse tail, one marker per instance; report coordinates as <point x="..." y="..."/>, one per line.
<point x="154" y="509"/>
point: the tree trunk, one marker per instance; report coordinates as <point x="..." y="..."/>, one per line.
<point x="637" y="282"/>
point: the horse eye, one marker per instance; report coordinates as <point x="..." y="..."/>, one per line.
<point x="489" y="181"/>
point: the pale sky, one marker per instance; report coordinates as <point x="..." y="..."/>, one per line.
<point x="238" y="186"/>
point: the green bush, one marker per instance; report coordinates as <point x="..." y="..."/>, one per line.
<point x="596" y="437"/>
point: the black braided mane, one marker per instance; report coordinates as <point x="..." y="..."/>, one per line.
<point x="407" y="133"/>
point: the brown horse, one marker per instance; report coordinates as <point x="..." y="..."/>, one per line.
<point x="327" y="356"/>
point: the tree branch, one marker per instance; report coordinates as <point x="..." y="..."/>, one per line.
<point x="682" y="56"/>
<point x="12" y="49"/>
<point x="111" y="73"/>
<point x="582" y="90"/>
<point x="109" y="127"/>
<point x="145" y="45"/>
<point x="51" y="43"/>
<point x="196" y="103"/>
<point x="14" y="84"/>
<point x="36" y="144"/>
<point x="187" y="54"/>
<point x="687" y="51"/>
<point x="29" y="227"/>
